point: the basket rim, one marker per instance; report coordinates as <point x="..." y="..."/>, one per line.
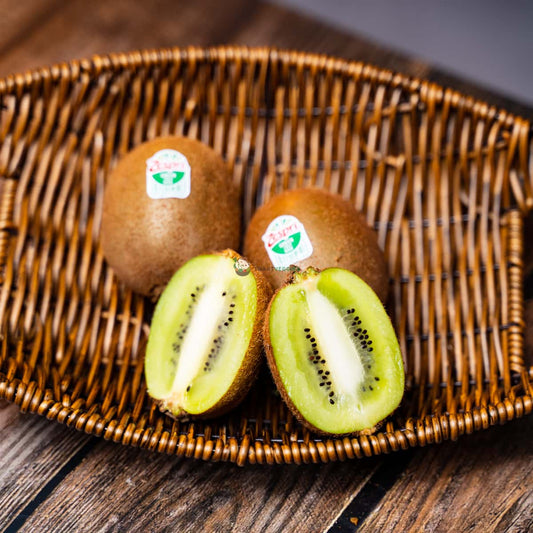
<point x="418" y="431"/>
<point x="149" y="57"/>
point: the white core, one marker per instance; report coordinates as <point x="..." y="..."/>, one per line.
<point x="335" y="343"/>
<point x="200" y="334"/>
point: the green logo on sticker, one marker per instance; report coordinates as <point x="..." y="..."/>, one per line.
<point x="287" y="245"/>
<point x="168" y="177"/>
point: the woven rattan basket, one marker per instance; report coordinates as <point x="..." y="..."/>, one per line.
<point x="445" y="181"/>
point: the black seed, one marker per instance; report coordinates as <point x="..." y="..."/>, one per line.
<point x="230" y="319"/>
<point x="331" y="402"/>
<point x="307" y="330"/>
<point x="215" y="341"/>
<point x="188" y="388"/>
<point x="358" y="330"/>
<point x="355" y="335"/>
<point x="323" y="361"/>
<point x="315" y="362"/>
<point x="327" y="372"/>
<point x="313" y="345"/>
<point x="193" y="295"/>
<point x="370" y="349"/>
<point x="376" y="378"/>
<point x="331" y="394"/>
<point x="328" y="382"/>
<point x="358" y="321"/>
<point x="320" y="371"/>
<point x="223" y="294"/>
<point x="226" y="323"/>
<point x="231" y="312"/>
<point x="356" y="318"/>
<point x="370" y="387"/>
<point x="322" y="384"/>
<point x="368" y="366"/>
<point x="324" y="377"/>
<point x="369" y="343"/>
<point x="353" y="323"/>
<point x="315" y="351"/>
<point x="308" y="336"/>
<point x="313" y="339"/>
<point x="366" y="336"/>
<point x="232" y="305"/>
<point x="364" y="331"/>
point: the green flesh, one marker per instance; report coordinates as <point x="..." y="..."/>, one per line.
<point x="317" y="309"/>
<point x="200" y="333"/>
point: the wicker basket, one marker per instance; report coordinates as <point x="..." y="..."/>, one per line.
<point x="445" y="181"/>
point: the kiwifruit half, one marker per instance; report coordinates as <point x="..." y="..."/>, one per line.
<point x="312" y="227"/>
<point x="204" y="346"/>
<point x="160" y="209"/>
<point x="333" y="352"/>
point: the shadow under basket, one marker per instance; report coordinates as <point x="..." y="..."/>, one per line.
<point x="444" y="180"/>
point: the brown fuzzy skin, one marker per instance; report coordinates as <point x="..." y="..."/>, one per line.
<point x="251" y="362"/>
<point x="146" y="240"/>
<point x="338" y="232"/>
<point x="269" y="351"/>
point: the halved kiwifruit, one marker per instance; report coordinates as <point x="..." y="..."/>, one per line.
<point x="204" y="346"/>
<point x="333" y="352"/>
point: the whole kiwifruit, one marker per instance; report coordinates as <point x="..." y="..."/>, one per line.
<point x="204" y="347"/>
<point x="312" y="227"/>
<point x="333" y="352"/>
<point x="163" y="204"/>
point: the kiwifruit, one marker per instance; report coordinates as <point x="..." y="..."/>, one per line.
<point x="333" y="352"/>
<point x="157" y="214"/>
<point x="312" y="227"/>
<point x="204" y="346"/>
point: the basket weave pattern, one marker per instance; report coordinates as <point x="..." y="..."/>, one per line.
<point x="445" y="181"/>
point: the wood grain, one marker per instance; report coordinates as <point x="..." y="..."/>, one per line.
<point x="74" y="31"/>
<point x="152" y="492"/>
<point x="32" y="451"/>
<point x="483" y="483"/>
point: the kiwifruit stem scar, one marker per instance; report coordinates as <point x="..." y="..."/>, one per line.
<point x="200" y="334"/>
<point x="334" y="342"/>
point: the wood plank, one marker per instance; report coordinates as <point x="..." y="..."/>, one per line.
<point x="32" y="451"/>
<point x="484" y="482"/>
<point x="124" y="489"/>
<point x="76" y="32"/>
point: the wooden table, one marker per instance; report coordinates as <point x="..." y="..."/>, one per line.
<point x="55" y="479"/>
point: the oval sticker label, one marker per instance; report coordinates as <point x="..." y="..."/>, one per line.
<point x="286" y="242"/>
<point x="168" y="175"/>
